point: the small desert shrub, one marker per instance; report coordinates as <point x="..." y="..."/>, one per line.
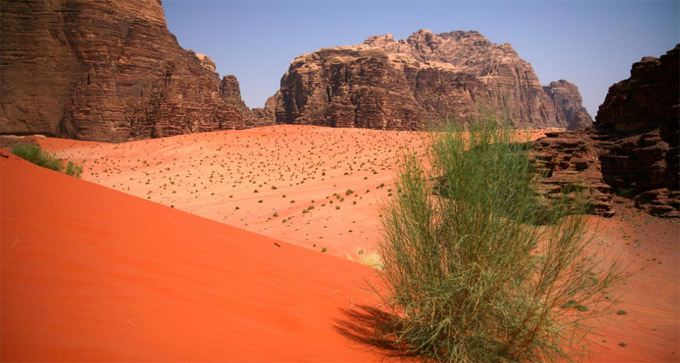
<point x="36" y="155"/>
<point x="473" y="270"/>
<point x="370" y="258"/>
<point x="73" y="169"/>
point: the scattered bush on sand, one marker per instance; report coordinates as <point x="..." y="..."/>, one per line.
<point x="36" y="155"/>
<point x="473" y="270"/>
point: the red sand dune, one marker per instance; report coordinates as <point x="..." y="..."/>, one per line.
<point x="127" y="279"/>
<point x="264" y="180"/>
<point x="91" y="274"/>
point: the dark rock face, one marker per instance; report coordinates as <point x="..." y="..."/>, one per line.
<point x="106" y="71"/>
<point x="638" y="125"/>
<point x="635" y="139"/>
<point x="408" y="84"/>
<point x="567" y="98"/>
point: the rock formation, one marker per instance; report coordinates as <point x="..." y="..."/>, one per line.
<point x="408" y="84"/>
<point x="566" y="97"/>
<point x="106" y="71"/>
<point x="638" y="127"/>
<point x="569" y="162"/>
<point x="633" y="146"/>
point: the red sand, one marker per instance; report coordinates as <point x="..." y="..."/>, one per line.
<point x="216" y="175"/>
<point x="210" y="175"/>
<point x="649" y="249"/>
<point x="91" y="274"/>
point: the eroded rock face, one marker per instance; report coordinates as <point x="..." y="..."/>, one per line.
<point x="566" y="97"/>
<point x="569" y="162"/>
<point x="634" y="143"/>
<point x="106" y="71"/>
<point x="638" y="126"/>
<point x="408" y="84"/>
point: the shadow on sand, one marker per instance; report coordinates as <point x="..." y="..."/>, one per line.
<point x="368" y="326"/>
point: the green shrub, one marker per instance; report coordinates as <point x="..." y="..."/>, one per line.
<point x="36" y="155"/>
<point x="473" y="270"/>
<point x="73" y="169"/>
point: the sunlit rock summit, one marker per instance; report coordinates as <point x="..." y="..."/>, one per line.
<point x="410" y="83"/>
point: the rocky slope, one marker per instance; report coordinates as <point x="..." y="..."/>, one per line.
<point x="633" y="149"/>
<point x="106" y="71"/>
<point x="408" y="84"/>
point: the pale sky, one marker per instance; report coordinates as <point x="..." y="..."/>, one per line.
<point x="590" y="43"/>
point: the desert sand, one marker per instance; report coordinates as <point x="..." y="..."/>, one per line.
<point x="286" y="182"/>
<point x="647" y="248"/>
<point x="316" y="188"/>
<point x="91" y="274"/>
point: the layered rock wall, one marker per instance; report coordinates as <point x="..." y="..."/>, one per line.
<point x="106" y="71"/>
<point x="569" y="162"/>
<point x="408" y="84"/>
<point x="639" y="130"/>
<point x="633" y="148"/>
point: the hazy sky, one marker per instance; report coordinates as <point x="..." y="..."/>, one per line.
<point x="590" y="43"/>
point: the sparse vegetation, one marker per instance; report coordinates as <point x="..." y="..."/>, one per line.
<point x="474" y="271"/>
<point x="36" y="155"/>
<point x="370" y="258"/>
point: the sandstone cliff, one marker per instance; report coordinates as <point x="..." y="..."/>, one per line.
<point x="633" y="149"/>
<point x="566" y="97"/>
<point x="638" y="126"/>
<point x="408" y="84"/>
<point x="107" y="71"/>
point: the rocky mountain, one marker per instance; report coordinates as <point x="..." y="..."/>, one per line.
<point x="407" y="84"/>
<point x="633" y="149"/>
<point x="106" y="71"/>
<point x="566" y="97"/>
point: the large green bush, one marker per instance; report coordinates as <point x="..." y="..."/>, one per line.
<point x="475" y="270"/>
<point x="36" y="155"/>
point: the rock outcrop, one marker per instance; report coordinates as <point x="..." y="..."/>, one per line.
<point x="567" y="98"/>
<point x="639" y="130"/>
<point x="633" y="148"/>
<point x="408" y="84"/>
<point x="569" y="162"/>
<point x="106" y="71"/>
